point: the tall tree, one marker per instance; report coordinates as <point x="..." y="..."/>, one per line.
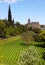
<point x="13" y="22"/>
<point x="10" y="16"/>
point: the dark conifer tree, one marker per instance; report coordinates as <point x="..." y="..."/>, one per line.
<point x="9" y="16"/>
<point x="13" y="22"/>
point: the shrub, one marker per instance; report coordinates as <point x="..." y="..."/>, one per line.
<point x="41" y="36"/>
<point x="29" y="57"/>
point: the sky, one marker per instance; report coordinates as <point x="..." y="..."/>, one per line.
<point x="24" y="9"/>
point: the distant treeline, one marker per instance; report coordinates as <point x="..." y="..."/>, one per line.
<point x="6" y="30"/>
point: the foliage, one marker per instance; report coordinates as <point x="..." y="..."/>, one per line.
<point x="6" y="30"/>
<point x="36" y="30"/>
<point x="41" y="36"/>
<point x="2" y="27"/>
<point x="27" y="37"/>
<point x="43" y="56"/>
<point x="20" y="28"/>
<point x="30" y="28"/>
<point x="6" y="22"/>
<point x="11" y="31"/>
<point x="29" y="57"/>
<point x="17" y="24"/>
<point x="13" y="23"/>
<point x="16" y="31"/>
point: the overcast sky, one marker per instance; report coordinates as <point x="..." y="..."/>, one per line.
<point x="24" y="9"/>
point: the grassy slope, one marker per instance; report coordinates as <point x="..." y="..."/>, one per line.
<point x="12" y="47"/>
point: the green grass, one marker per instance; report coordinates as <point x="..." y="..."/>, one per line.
<point x="12" y="47"/>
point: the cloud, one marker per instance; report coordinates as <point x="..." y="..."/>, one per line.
<point x="10" y="1"/>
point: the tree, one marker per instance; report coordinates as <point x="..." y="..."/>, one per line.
<point x="20" y="27"/>
<point x="36" y="30"/>
<point x="26" y="38"/>
<point x="6" y="23"/>
<point x="30" y="28"/>
<point x="13" y="22"/>
<point x="10" y="16"/>
<point x="2" y="27"/>
<point x="17" y="24"/>
<point x="11" y="31"/>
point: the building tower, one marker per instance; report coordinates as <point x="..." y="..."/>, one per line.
<point x="10" y="17"/>
<point x="28" y="20"/>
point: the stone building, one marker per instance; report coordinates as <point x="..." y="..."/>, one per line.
<point x="34" y="25"/>
<point x="42" y="27"/>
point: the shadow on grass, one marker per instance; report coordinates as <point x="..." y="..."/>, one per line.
<point x="40" y="45"/>
<point x="23" y="44"/>
<point x="43" y="56"/>
<point x="33" y="44"/>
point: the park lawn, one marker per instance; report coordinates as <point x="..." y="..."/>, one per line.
<point x="11" y="39"/>
<point x="11" y="49"/>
